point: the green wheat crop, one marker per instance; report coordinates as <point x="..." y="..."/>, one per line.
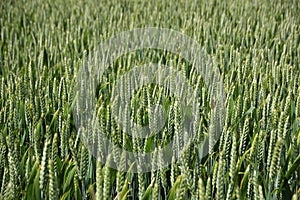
<point x="256" y="47"/>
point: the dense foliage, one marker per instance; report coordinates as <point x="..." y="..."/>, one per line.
<point x="255" y="45"/>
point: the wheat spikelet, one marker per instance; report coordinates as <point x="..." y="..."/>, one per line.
<point x="208" y="190"/>
<point x="106" y="179"/>
<point x="52" y="181"/>
<point x="220" y="177"/>
<point x="44" y="162"/>
<point x="275" y="159"/>
<point x="99" y="180"/>
<point x="201" y="189"/>
<point x="233" y="157"/>
<point x="83" y="163"/>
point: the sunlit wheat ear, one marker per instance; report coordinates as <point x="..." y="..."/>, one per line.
<point x="162" y="171"/>
<point x="99" y="180"/>
<point x="5" y="181"/>
<point x="184" y="167"/>
<point x="174" y="171"/>
<point x="141" y="183"/>
<point x="120" y="179"/>
<point x="52" y="180"/>
<point x="249" y="191"/>
<point x="201" y="189"/>
<point x="255" y="184"/>
<point x="226" y="145"/>
<point x="227" y="122"/>
<point x="178" y="126"/>
<point x="211" y="136"/>
<point x="220" y="177"/>
<point x="208" y="190"/>
<point x="253" y="149"/>
<point x="83" y="163"/>
<point x="179" y="188"/>
<point x="77" y="192"/>
<point x="244" y="136"/>
<point x="233" y="157"/>
<point x="106" y="179"/>
<point x="12" y="185"/>
<point x="3" y="151"/>
<point x="44" y="161"/>
<point x="275" y="160"/>
<point x="261" y="148"/>
<point x="115" y="134"/>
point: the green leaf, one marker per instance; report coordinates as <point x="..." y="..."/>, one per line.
<point x="68" y="177"/>
<point x="37" y="192"/>
<point x="172" y="193"/>
<point x="148" y="193"/>
<point x="293" y="168"/>
<point x="124" y="192"/>
<point x="35" y="171"/>
<point x="149" y="144"/>
<point x="66" y="195"/>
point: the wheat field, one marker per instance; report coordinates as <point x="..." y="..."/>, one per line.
<point x="255" y="45"/>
